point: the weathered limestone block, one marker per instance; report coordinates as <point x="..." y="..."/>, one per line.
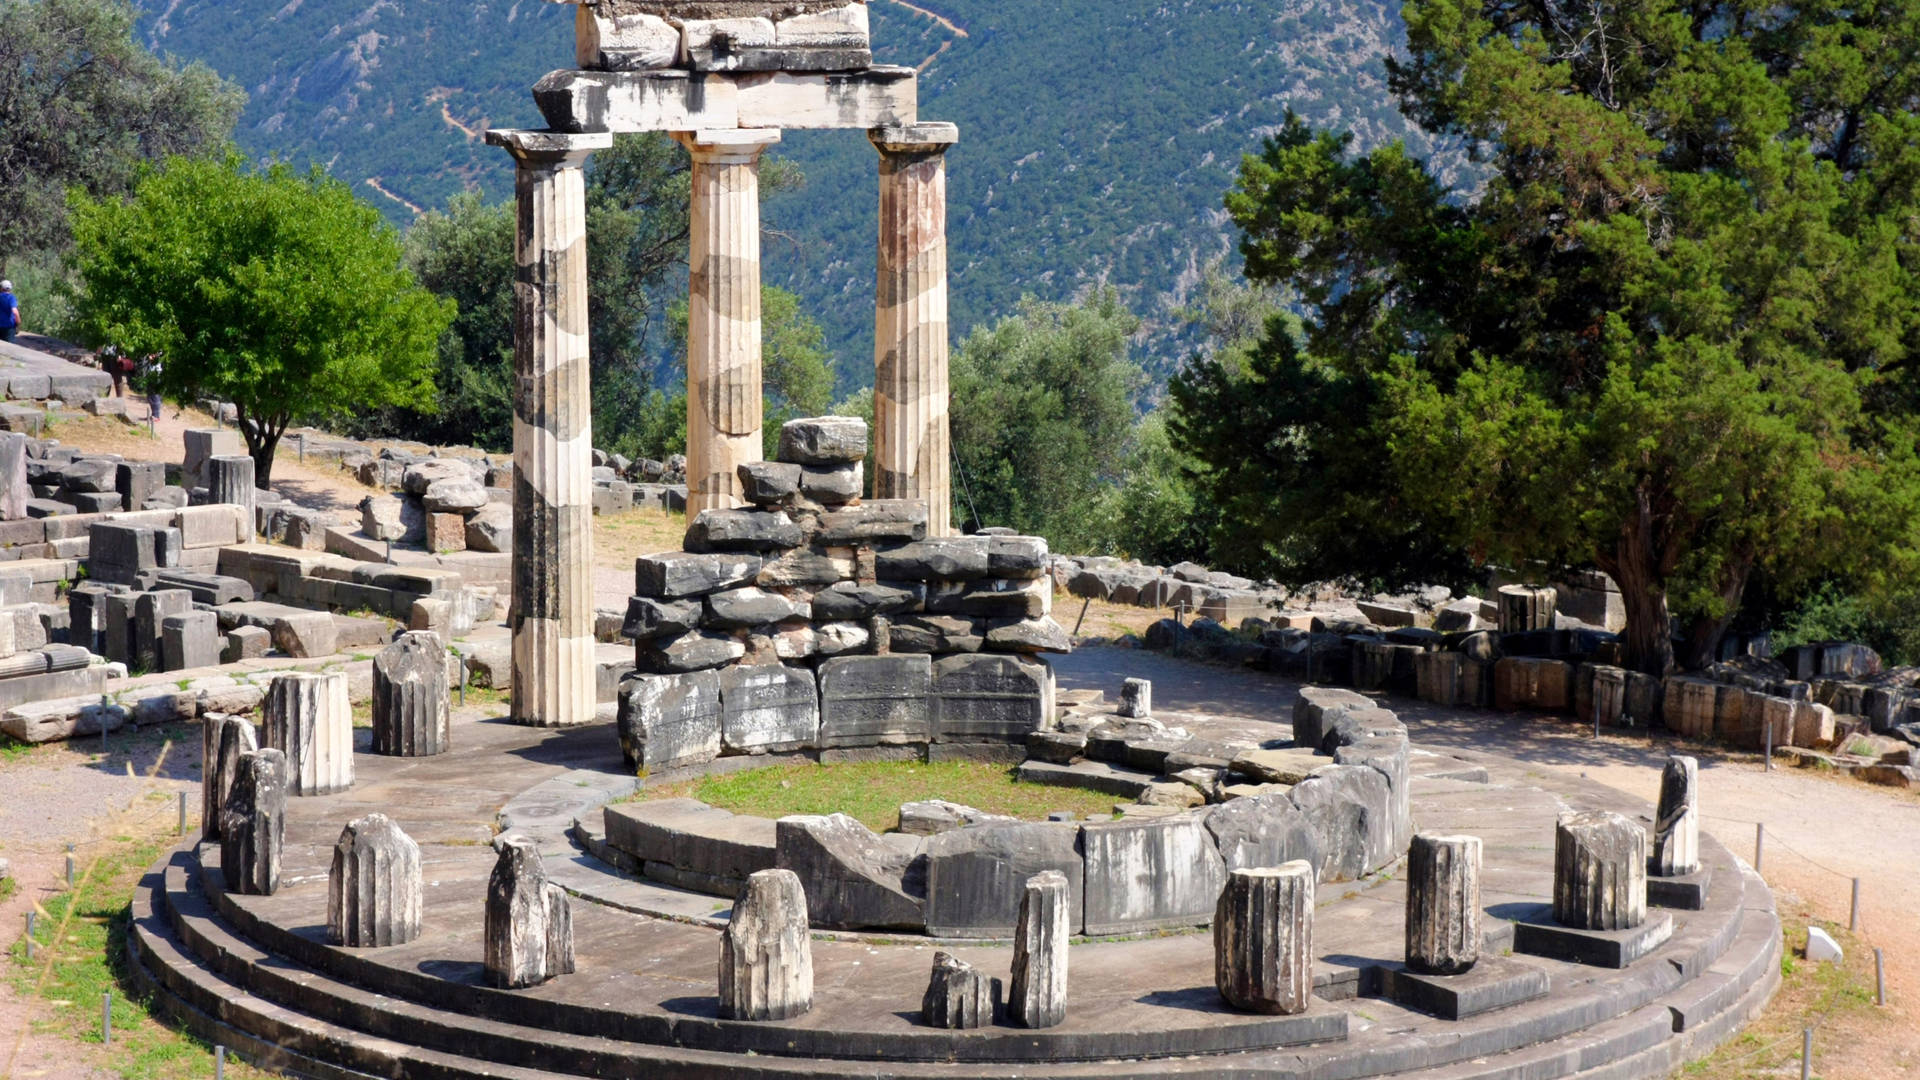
<point x="974" y="875"/>
<point x="1136" y="698"/>
<point x="768" y="708"/>
<point x="1676" y="824"/>
<point x="853" y="878"/>
<point x="1615" y="697"/>
<point x="632" y="42"/>
<point x="1526" y="607"/>
<point x="190" y="640"/>
<point x="1814" y="726"/>
<point x="223" y="741"/>
<point x="310" y="719"/>
<point x="1263" y="939"/>
<point x="1689" y="704"/>
<point x="1350" y="809"/>
<point x="1528" y="683"/>
<point x="529" y="919"/>
<point x="253" y="824"/>
<point x="958" y="997"/>
<point x="680" y="575"/>
<point x="1599" y="872"/>
<point x="766" y="951"/>
<point x="412" y="706"/>
<point x="823" y="440"/>
<point x="1263" y="831"/>
<point x="1316" y="706"/>
<point x="1390" y="756"/>
<point x="670" y="721"/>
<point x="150" y="613"/>
<point x="1149" y="873"/>
<point x="1038" y="998"/>
<point x="870" y="700"/>
<point x="1443" y="904"/>
<point x="374" y="889"/>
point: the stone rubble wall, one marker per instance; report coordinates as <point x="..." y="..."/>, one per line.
<point x="1811" y="697"/>
<point x="810" y="619"/>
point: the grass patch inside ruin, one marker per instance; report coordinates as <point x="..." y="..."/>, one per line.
<point x="873" y="791"/>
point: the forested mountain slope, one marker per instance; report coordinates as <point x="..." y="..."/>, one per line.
<point x="1096" y="138"/>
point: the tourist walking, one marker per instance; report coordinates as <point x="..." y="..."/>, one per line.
<point x="9" y="313"/>
<point x="151" y="378"/>
<point x="118" y="364"/>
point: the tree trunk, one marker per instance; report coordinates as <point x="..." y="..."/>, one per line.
<point x="262" y="441"/>
<point x="1640" y="567"/>
<point x="1643" y="591"/>
<point x="1705" y="632"/>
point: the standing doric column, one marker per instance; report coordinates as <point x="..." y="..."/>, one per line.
<point x="723" y="314"/>
<point x="911" y="456"/>
<point x="552" y="614"/>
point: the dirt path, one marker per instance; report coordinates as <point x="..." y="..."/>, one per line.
<point x="1821" y="831"/>
<point x="935" y="16"/>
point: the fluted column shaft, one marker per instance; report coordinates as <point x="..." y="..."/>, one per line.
<point x="552" y="612"/>
<point x="911" y="445"/>
<point x="724" y="402"/>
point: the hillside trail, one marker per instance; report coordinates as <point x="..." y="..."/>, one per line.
<point x="1821" y="830"/>
<point x="952" y="26"/>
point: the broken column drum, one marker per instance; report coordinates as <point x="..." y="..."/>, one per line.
<point x="310" y="719"/>
<point x="1443" y="904"/>
<point x="1599" y="872"/>
<point x="911" y="444"/>
<point x="412" y="706"/>
<point x="1676" y="825"/>
<point x="766" y="951"/>
<point x="234" y="739"/>
<point x="959" y="996"/>
<point x="253" y="824"/>
<point x="552" y="612"/>
<point x="529" y="919"/>
<point x="724" y="403"/>
<point x="1263" y="939"/>
<point x="1038" y="997"/>
<point x="374" y="889"/>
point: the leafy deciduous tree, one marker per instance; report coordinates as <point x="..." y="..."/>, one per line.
<point x="275" y="290"/>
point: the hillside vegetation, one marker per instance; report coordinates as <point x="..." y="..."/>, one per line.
<point x="1096" y="140"/>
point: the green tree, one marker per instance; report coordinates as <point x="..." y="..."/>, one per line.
<point x="1669" y="337"/>
<point x="82" y="104"/>
<point x="464" y="254"/>
<point x="1042" y="411"/>
<point x="275" y="290"/>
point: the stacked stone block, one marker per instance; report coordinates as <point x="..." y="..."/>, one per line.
<point x="833" y="622"/>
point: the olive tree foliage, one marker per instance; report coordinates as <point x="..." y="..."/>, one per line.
<point x="83" y="104"/>
<point x="1671" y="336"/>
<point x="1042" y="412"/>
<point x="276" y="290"/>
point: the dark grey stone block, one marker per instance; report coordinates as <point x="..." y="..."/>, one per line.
<point x="977" y="698"/>
<point x="742" y="530"/>
<point x="1263" y="830"/>
<point x="1494" y="983"/>
<point x="190" y="640"/>
<point x="952" y="558"/>
<point x="975" y="875"/>
<point x="1541" y="936"/>
<point x="850" y="601"/>
<point x="1688" y="892"/>
<point x="874" y="522"/>
<point x="650" y="619"/>
<point x="768" y="482"/>
<point x="1350" y="809"/>
<point x="823" y="440"/>
<point x="680" y="574"/>
<point x="867" y="700"/>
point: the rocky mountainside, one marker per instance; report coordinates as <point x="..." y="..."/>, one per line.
<point x="1096" y="139"/>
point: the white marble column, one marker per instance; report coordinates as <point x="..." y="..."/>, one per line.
<point x="724" y="403"/>
<point x="911" y="446"/>
<point x="552" y="614"/>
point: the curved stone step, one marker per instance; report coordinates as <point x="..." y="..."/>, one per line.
<point x="264" y="994"/>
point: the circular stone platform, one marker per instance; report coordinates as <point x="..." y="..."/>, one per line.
<point x="255" y="973"/>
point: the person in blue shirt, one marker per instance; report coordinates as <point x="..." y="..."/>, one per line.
<point x="9" y="312"/>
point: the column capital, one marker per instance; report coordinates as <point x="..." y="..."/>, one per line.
<point x="549" y="149"/>
<point x="914" y="140"/>
<point x="736" y="146"/>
